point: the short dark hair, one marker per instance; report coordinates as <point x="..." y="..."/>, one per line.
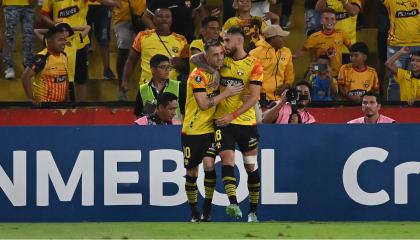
<point x="373" y="94"/>
<point x="360" y="47"/>
<point x="165" y="98"/>
<point x="325" y="57"/>
<point x="304" y="83"/>
<point x="329" y="10"/>
<point x="415" y="53"/>
<point x="207" y="20"/>
<point x="212" y="43"/>
<point x="52" y="31"/>
<point x="65" y="27"/>
<point x="236" y="30"/>
<point x="158" y="58"/>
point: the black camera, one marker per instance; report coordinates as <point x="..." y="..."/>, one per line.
<point x="293" y="96"/>
<point x="320" y="67"/>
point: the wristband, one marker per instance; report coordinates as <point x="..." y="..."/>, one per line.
<point x="235" y="115"/>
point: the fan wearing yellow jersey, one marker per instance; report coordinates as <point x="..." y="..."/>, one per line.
<point x="329" y="42"/>
<point x="74" y="11"/>
<point x="252" y="26"/>
<point x="346" y="14"/>
<point x="73" y="41"/>
<point x="409" y="81"/>
<point x="356" y="78"/>
<point x="198" y="131"/>
<point x="50" y="71"/>
<point x="235" y="118"/>
<point x="210" y="30"/>
<point x="404" y="17"/>
<point x="157" y="41"/>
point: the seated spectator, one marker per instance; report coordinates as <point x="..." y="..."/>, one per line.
<point x="73" y="42"/>
<point x="324" y="87"/>
<point x="286" y="113"/>
<point x="277" y="63"/>
<point x="210" y="30"/>
<point x="50" y="70"/>
<point x="328" y="42"/>
<point x="409" y="81"/>
<point x="149" y="92"/>
<point x="252" y="26"/>
<point x="167" y="105"/>
<point x="356" y="78"/>
<point x="157" y="41"/>
<point x="371" y="104"/>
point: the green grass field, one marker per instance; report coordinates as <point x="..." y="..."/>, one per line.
<point x="131" y="230"/>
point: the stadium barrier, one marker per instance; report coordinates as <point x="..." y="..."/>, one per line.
<point x="124" y="115"/>
<point x="131" y="173"/>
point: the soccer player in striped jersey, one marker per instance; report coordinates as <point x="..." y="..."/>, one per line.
<point x="198" y="131"/>
<point x="236" y="119"/>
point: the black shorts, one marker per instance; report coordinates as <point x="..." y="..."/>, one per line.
<point x="227" y="137"/>
<point x="99" y="18"/>
<point x="196" y="147"/>
<point x="81" y="71"/>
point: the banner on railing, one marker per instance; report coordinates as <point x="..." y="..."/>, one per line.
<point x="116" y="173"/>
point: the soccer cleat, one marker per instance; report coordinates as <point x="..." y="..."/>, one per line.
<point x="108" y="74"/>
<point x="206" y="217"/>
<point x="234" y="211"/>
<point x="9" y="73"/>
<point x="252" y="217"/>
<point x="195" y="214"/>
<point x="195" y="219"/>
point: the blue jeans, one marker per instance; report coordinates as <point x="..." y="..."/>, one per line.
<point x="403" y="62"/>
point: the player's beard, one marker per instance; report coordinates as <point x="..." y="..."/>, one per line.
<point x="231" y="52"/>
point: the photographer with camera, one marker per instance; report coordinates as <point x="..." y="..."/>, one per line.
<point x="324" y="86"/>
<point x="291" y="108"/>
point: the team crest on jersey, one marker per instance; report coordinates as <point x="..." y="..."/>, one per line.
<point x="188" y="4"/>
<point x="407" y="3"/>
<point x="366" y="84"/>
<point x="198" y="79"/>
<point x="283" y="58"/>
<point x="175" y="49"/>
<point x="240" y="72"/>
<point x="331" y="52"/>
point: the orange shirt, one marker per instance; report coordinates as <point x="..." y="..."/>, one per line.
<point x="357" y="82"/>
<point x="148" y="44"/>
<point x="330" y="45"/>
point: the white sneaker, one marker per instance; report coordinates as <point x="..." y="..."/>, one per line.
<point x="252" y="217"/>
<point x="9" y="73"/>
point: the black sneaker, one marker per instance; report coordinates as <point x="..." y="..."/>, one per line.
<point x="206" y="217"/>
<point x="195" y="215"/>
<point x="108" y="74"/>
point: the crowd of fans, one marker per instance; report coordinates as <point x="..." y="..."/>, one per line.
<point x="160" y="35"/>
